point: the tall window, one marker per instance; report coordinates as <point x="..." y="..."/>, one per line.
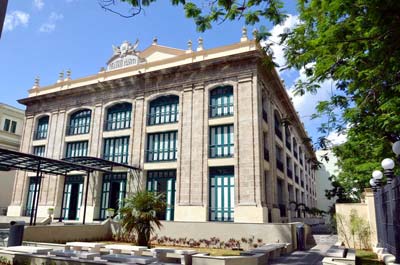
<point x="279" y="158"/>
<point x="13" y="126"/>
<point x="72" y="197"/>
<point x="277" y="125"/>
<point x="116" y="149"/>
<point x="266" y="151"/>
<point x="6" y="126"/>
<point x="289" y="167"/>
<point x="281" y="202"/>
<point x="163" y="181"/>
<point x="221" y="141"/>
<point x="222" y="194"/>
<point x="31" y="194"/>
<point x="288" y="138"/>
<point x="264" y="108"/>
<point x="113" y="192"/>
<point x="295" y="148"/>
<point x="164" y="110"/>
<point x="119" y="117"/>
<point x="75" y="149"/>
<point x="42" y="128"/>
<point x="221" y="101"/>
<point x="162" y="146"/>
<point x="296" y="174"/>
<point x="301" y="156"/>
<point x="39" y="150"/>
<point x="79" y="122"/>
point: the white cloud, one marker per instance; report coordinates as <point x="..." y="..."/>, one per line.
<point x="50" y="25"/>
<point x="336" y="139"/>
<point x="15" y="19"/>
<point x="39" y="4"/>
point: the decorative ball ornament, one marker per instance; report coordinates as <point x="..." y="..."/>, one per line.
<point x="387" y="163"/>
<point x="372" y="182"/>
<point x="377" y="175"/>
<point x="396" y="148"/>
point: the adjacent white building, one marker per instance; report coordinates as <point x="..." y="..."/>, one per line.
<point x="327" y="169"/>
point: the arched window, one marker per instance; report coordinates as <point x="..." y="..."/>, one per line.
<point x="79" y="123"/>
<point x="42" y="128"/>
<point x="278" y="127"/>
<point x="119" y="117"/>
<point x="221" y="101"/>
<point x="164" y="109"/>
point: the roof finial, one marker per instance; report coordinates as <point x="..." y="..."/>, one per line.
<point x="244" y="35"/>
<point x="190" y="46"/>
<point x="200" y="44"/>
<point x="255" y="33"/>
<point x="155" y="40"/>
<point x="68" y="75"/>
<point x="60" y="76"/>
<point x="37" y="82"/>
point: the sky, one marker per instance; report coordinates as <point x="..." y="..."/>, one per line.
<point x="44" y="37"/>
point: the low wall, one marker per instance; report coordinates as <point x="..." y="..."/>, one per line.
<point x="268" y="233"/>
<point x="67" y="233"/>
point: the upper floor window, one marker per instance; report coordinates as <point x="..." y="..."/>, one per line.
<point x="119" y="117"/>
<point x="279" y="158"/>
<point x="221" y="141"/>
<point x="39" y="150"/>
<point x="162" y="146"/>
<point x="79" y="122"/>
<point x="295" y="148"/>
<point x="164" y="110"/>
<point x="42" y="128"/>
<point x="221" y="101"/>
<point x="288" y="139"/>
<point x="6" y="126"/>
<point x="116" y="149"/>
<point x="75" y="149"/>
<point x="277" y="125"/>
<point x="301" y="156"/>
<point x="13" y="126"/>
<point x="264" y="108"/>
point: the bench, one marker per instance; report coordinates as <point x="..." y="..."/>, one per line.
<point x="185" y="255"/>
<point x="128" y="259"/>
<point x="78" y="246"/>
<point x="29" y="249"/>
<point x="339" y="255"/>
<point x="118" y="248"/>
<point x="273" y="250"/>
<point x="74" y="254"/>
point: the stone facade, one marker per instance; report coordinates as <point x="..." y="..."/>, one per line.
<point x="191" y="76"/>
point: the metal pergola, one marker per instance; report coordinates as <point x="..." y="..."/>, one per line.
<point x="17" y="160"/>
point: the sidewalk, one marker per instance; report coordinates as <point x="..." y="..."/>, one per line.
<point x="312" y="256"/>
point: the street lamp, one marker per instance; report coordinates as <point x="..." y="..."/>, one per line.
<point x="377" y="178"/>
<point x="388" y="165"/>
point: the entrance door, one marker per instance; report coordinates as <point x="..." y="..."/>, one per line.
<point x="113" y="192"/>
<point x="222" y="191"/>
<point x="72" y="200"/>
<point x="31" y="194"/>
<point x="163" y="181"/>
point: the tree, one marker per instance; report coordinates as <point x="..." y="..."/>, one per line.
<point x="139" y="214"/>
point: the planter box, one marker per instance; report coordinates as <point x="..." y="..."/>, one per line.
<point x="257" y="259"/>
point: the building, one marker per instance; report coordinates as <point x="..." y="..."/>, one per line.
<point x="205" y="125"/>
<point x="328" y="168"/>
<point x="11" y="124"/>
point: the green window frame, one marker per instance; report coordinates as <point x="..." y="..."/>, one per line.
<point x="116" y="149"/>
<point x="221" y="141"/>
<point x="76" y="149"/>
<point x="222" y="194"/>
<point x="39" y="150"/>
<point x="163" y="110"/>
<point x="119" y="117"/>
<point x="162" y="146"/>
<point x="41" y="128"/>
<point x="277" y="125"/>
<point x="164" y="181"/>
<point x="79" y="122"/>
<point x="221" y="102"/>
<point x="112" y="180"/>
<point x="6" y="126"/>
<point x="13" y="126"/>
<point x="69" y="182"/>
<point x="30" y="195"/>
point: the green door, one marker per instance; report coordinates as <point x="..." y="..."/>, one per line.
<point x="31" y="193"/>
<point x="72" y="200"/>
<point x="113" y="192"/>
<point x="222" y="194"/>
<point x="163" y="181"/>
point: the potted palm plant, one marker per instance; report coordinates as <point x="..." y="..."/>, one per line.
<point x="110" y="212"/>
<point x="50" y="211"/>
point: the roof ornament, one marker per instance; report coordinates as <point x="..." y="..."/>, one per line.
<point x="255" y="33"/>
<point x="155" y="41"/>
<point x="244" y="35"/>
<point x="37" y="82"/>
<point x="200" y="46"/>
<point x="68" y="75"/>
<point x="125" y="55"/>
<point x="60" y="76"/>
<point x="190" y="46"/>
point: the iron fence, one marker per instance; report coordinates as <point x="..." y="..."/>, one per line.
<point x="387" y="206"/>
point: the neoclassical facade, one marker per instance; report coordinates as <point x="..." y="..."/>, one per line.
<point x="213" y="129"/>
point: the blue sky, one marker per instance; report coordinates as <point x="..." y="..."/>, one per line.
<point x="43" y="37"/>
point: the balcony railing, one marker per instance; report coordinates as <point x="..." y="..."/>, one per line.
<point x="266" y="154"/>
<point x="279" y="164"/>
<point x="221" y="150"/>
<point x="161" y="155"/>
<point x="78" y="129"/>
<point x="221" y="110"/>
<point x="166" y="117"/>
<point x="120" y="124"/>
